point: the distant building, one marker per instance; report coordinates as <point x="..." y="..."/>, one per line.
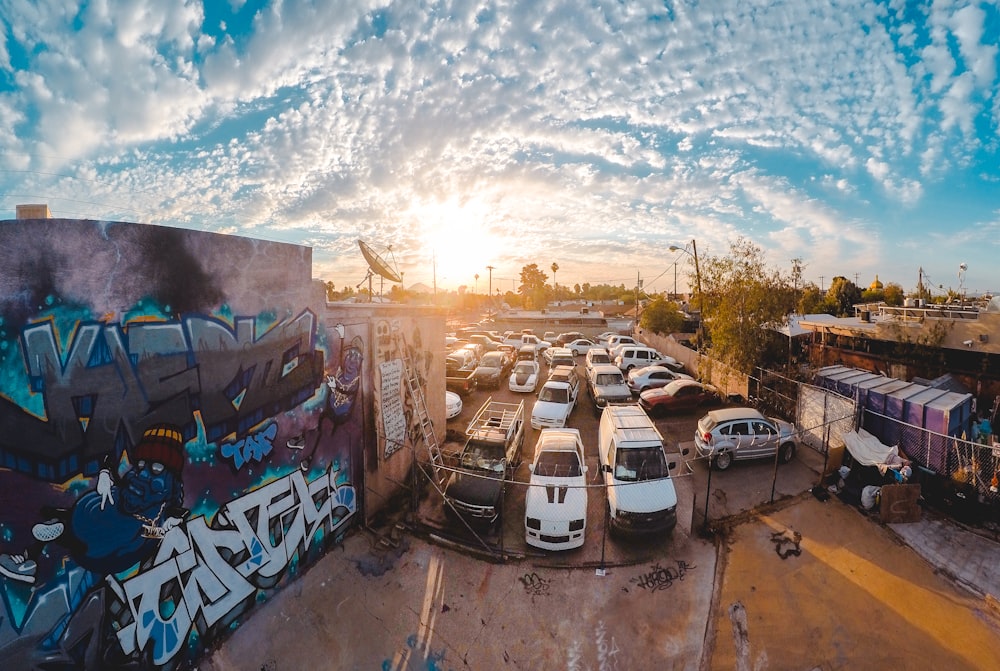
<point x="38" y="211"/>
<point x="914" y="340"/>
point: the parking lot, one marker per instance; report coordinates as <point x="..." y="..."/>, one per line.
<point x="740" y="488"/>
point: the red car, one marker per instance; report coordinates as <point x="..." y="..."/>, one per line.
<point x="678" y="395"/>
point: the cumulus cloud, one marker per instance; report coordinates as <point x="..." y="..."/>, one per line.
<point x="602" y="130"/>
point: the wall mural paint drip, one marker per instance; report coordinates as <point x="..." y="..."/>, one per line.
<point x="150" y="493"/>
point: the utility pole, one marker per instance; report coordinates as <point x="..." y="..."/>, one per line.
<point x="638" y="285"/>
<point x="490" y="268"/>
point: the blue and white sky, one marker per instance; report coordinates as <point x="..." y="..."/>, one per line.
<point x="860" y="137"/>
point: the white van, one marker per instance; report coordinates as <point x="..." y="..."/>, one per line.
<point x="636" y="356"/>
<point x="641" y="495"/>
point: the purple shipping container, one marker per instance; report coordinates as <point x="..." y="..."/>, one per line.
<point x="826" y="377"/>
<point x="897" y="412"/>
<point x="872" y="422"/>
<point x="913" y="441"/>
<point x="875" y="414"/>
<point x="948" y="416"/>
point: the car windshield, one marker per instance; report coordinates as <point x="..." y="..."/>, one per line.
<point x="554" y="395"/>
<point x="608" y="379"/>
<point x="484" y="455"/>
<point x="641" y="463"/>
<point x="524" y="368"/>
<point x="558" y="464"/>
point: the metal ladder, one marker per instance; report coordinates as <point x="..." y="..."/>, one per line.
<point x="415" y="388"/>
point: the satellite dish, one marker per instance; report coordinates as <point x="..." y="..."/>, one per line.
<point x="377" y="264"/>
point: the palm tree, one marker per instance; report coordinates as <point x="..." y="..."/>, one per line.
<point x="555" y="267"/>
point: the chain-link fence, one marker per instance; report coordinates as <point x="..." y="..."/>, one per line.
<point x="496" y="522"/>
<point x="955" y="472"/>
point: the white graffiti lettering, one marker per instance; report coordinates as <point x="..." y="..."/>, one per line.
<point x="607" y="649"/>
<point x="203" y="576"/>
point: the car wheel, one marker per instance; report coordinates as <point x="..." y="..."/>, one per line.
<point x="628" y="369"/>
<point x="786" y="452"/>
<point x="722" y="461"/>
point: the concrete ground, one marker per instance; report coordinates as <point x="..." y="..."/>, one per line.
<point x="846" y="593"/>
<point x="853" y="597"/>
<point x="422" y="606"/>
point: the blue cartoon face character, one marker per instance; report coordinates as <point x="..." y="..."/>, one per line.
<point x="344" y="385"/>
<point x="147" y="487"/>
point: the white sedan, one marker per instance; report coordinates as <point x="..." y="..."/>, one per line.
<point x="555" y="506"/>
<point x="580" y="346"/>
<point x="452" y="404"/>
<point x="652" y="377"/>
<point x="524" y="376"/>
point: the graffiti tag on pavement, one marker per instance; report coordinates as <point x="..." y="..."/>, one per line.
<point x="535" y="585"/>
<point x="660" y="578"/>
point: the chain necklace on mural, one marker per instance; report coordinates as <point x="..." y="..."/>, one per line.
<point x="150" y="526"/>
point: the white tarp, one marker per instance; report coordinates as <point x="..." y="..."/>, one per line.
<point x="870" y="451"/>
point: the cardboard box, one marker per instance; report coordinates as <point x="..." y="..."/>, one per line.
<point x="899" y="504"/>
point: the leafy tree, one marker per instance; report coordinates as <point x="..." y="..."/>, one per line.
<point x="662" y="316"/>
<point x="741" y="297"/>
<point x="893" y="294"/>
<point x="842" y="296"/>
<point x="532" y="287"/>
<point x="810" y="300"/>
<point x="872" y="295"/>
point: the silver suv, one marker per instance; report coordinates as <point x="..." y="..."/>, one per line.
<point x="743" y="433"/>
<point x="606" y="385"/>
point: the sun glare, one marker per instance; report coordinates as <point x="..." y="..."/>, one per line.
<point x="457" y="238"/>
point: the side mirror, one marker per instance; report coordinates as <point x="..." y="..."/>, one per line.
<point x="686" y="451"/>
<point x="671" y="465"/>
<point x="531" y="468"/>
<point x="585" y="469"/>
<point x="605" y="468"/>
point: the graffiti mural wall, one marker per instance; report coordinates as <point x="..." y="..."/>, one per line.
<point x="179" y="436"/>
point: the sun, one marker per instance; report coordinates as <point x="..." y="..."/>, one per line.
<point x="458" y="238"/>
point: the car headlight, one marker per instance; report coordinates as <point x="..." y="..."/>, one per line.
<point x="576" y="525"/>
<point x="533" y="523"/>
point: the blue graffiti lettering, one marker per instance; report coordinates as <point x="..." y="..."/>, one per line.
<point x="111" y="375"/>
<point x="252" y="448"/>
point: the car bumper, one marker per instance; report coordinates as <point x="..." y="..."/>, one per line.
<point x="548" y="423"/>
<point x="640" y="524"/>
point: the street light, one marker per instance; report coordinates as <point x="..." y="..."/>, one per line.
<point x="701" y="320"/>
<point x="697" y="274"/>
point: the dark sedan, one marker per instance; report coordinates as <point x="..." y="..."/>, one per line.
<point x="677" y="396"/>
<point x="492" y="368"/>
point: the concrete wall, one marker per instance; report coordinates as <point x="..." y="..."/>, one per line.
<point x="728" y="380"/>
<point x="184" y="427"/>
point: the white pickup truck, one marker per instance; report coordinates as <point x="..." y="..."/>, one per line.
<point x="556" y="399"/>
<point x="519" y="339"/>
